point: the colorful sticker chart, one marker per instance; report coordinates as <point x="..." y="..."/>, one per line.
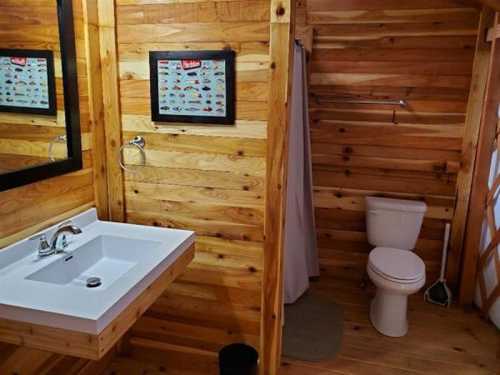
<point x="27" y="82"/>
<point x="195" y="87"/>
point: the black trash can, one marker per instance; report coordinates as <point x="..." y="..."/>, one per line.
<point x="238" y="359"/>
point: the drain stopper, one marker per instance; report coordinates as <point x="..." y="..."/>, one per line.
<point x="93" y="282"/>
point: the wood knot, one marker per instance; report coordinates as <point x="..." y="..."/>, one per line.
<point x="280" y="11"/>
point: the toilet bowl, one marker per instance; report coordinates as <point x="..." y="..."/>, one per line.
<point x="393" y="226"/>
<point x="397" y="274"/>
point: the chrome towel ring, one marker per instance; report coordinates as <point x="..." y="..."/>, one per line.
<point x="58" y="139"/>
<point x="138" y="142"/>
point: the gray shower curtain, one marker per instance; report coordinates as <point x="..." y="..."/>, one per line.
<point x="300" y="254"/>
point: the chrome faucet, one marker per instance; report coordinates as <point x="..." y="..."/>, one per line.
<point x="58" y="241"/>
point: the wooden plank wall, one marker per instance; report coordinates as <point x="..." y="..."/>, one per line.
<point x="418" y="51"/>
<point x="210" y="179"/>
<point x="27" y="209"/>
<point x="24" y="139"/>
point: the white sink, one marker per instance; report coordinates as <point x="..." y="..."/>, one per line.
<point x="105" y="257"/>
<point x="53" y="291"/>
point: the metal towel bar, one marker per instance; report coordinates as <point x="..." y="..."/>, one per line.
<point x="400" y="102"/>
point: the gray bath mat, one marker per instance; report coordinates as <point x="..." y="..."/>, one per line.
<point x="313" y="329"/>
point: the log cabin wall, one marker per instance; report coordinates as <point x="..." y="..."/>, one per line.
<point x="210" y="179"/>
<point x="418" y="51"/>
<point x="28" y="209"/>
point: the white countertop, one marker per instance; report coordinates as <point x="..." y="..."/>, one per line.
<point x="73" y="306"/>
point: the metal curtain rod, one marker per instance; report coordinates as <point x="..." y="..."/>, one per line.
<point x="401" y="102"/>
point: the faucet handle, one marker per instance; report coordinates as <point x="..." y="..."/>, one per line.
<point x="40" y="236"/>
<point x="43" y="245"/>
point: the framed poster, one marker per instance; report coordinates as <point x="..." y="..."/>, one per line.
<point x="193" y="86"/>
<point x="27" y="82"/>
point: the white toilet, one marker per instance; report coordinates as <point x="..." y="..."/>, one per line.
<point x="393" y="226"/>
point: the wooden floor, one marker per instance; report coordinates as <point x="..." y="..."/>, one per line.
<point x="440" y="341"/>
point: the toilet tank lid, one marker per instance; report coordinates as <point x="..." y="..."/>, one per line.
<point x="373" y="203"/>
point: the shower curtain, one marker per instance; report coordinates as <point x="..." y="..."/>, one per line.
<point x="300" y="254"/>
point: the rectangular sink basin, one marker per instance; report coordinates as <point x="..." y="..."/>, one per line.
<point x="94" y="291"/>
<point x="106" y="258"/>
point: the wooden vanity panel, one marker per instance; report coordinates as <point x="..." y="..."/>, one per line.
<point x="49" y="339"/>
<point x="84" y="345"/>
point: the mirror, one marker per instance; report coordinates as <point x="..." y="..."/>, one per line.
<point x="39" y="106"/>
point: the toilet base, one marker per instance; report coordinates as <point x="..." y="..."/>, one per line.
<point x="388" y="313"/>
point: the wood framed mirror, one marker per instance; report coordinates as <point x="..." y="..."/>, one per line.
<point x="40" y="116"/>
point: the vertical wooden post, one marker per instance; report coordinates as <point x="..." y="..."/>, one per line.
<point x="480" y="187"/>
<point x="96" y="106"/>
<point x="281" y="49"/>
<point x="112" y="113"/>
<point x="469" y="147"/>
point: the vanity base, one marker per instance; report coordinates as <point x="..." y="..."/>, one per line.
<point x="90" y="346"/>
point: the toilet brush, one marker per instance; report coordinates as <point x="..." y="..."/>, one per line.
<point x="439" y="293"/>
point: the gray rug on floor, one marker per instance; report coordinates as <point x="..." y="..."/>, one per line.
<point x="313" y="329"/>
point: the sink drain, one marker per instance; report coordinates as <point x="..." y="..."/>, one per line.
<point x="93" y="282"/>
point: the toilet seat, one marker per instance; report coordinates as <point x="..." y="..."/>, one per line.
<point x="400" y="266"/>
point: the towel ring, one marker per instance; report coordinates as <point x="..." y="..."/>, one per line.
<point x="138" y="142"/>
<point x="58" y="139"/>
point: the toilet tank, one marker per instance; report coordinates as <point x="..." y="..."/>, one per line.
<point x="394" y="223"/>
